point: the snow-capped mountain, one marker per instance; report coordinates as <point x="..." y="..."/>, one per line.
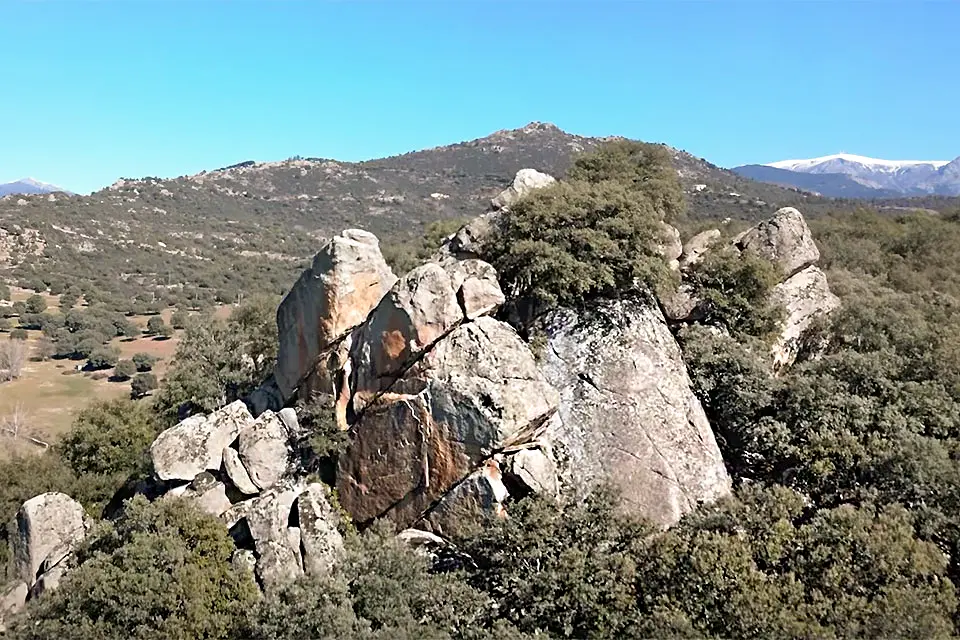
<point x="28" y="186"/>
<point x="849" y="175"/>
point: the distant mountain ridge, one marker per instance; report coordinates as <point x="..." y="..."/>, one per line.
<point x="28" y="186"/>
<point x="848" y="175"/>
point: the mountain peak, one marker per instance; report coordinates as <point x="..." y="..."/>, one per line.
<point x="874" y="163"/>
<point x="28" y="186"/>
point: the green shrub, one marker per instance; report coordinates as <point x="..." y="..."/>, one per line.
<point x="142" y="384"/>
<point x="36" y="304"/>
<point x="19" y="334"/>
<point x="124" y="370"/>
<point x="160" y="571"/>
<point x="155" y="326"/>
<point x="144" y="361"/>
<point x="734" y="290"/>
<point x="103" y="358"/>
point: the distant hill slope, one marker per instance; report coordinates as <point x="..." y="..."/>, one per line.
<point x="28" y="186"/>
<point x="253" y="226"/>
<point x="847" y="175"/>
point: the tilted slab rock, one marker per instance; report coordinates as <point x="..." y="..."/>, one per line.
<point x="784" y="239"/>
<point x="238" y="473"/>
<point x="196" y="444"/>
<point x="806" y="296"/>
<point x="477" y="391"/>
<point x="347" y="279"/>
<point x="48" y="527"/>
<point x="627" y="413"/>
<point x="481" y="492"/>
<point x="264" y="450"/>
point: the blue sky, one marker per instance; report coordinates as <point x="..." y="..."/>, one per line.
<point x="93" y="91"/>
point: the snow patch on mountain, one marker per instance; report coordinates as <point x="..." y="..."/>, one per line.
<point x="876" y="164"/>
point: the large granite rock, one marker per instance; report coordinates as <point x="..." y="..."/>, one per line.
<point x="526" y="181"/>
<point x="805" y="296"/>
<point x="196" y="444"/>
<point x="784" y="239"/>
<point x="476" y="392"/>
<point x="321" y="542"/>
<point x="48" y="527"/>
<point x="483" y="491"/>
<point x="697" y="246"/>
<point x="347" y="279"/>
<point x="670" y="246"/>
<point x="627" y="413"/>
<point x="206" y="492"/>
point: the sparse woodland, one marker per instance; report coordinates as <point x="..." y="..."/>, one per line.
<point x="844" y="519"/>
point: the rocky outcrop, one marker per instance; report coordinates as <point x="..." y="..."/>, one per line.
<point x="627" y="413"/>
<point x="805" y="296"/>
<point x="320" y="540"/>
<point x="48" y="527"/>
<point x="347" y="279"/>
<point x="12" y="599"/>
<point x="196" y="444"/>
<point x="670" y="246"/>
<point x="477" y="391"/>
<point x="784" y="239"/>
<point x="264" y="450"/>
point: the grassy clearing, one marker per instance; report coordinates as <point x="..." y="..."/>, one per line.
<point x="48" y="394"/>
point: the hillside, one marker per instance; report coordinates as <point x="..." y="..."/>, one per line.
<point x="251" y="227"/>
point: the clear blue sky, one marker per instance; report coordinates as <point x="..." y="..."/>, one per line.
<point x="92" y="91"/>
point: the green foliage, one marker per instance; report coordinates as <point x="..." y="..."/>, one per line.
<point x="734" y="290"/>
<point x="161" y="572"/>
<point x="19" y="334"/>
<point x="179" y="319"/>
<point x="36" y="304"/>
<point x="644" y="168"/>
<point x="404" y="256"/>
<point x="4" y="291"/>
<point x="143" y="361"/>
<point x="124" y="370"/>
<point x="155" y="326"/>
<point x="573" y="241"/>
<point x="142" y="384"/>
<point x="109" y="438"/>
<point x="103" y="358"/>
<point x="380" y="590"/>
<point x="5" y="324"/>
<point x="218" y="362"/>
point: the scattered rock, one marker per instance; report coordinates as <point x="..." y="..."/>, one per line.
<point x="48" y="527"/>
<point x="805" y="295"/>
<point x="197" y="443"/>
<point x="347" y="279"/>
<point x="784" y="239"/>
<point x="264" y="450"/>
<point x="627" y="412"/>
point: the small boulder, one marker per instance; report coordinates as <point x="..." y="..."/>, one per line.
<point x="535" y="469"/>
<point x="670" y="246"/>
<point x="524" y="182"/>
<point x="784" y="239"/>
<point x="48" y="527"/>
<point x="482" y="492"/>
<point x="697" y="246"/>
<point x="264" y="450"/>
<point x="12" y="600"/>
<point x="207" y="493"/>
<point x="347" y="279"/>
<point x="196" y="444"/>
<point x="268" y="520"/>
<point x="244" y="560"/>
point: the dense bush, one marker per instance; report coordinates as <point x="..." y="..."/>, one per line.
<point x="142" y="384"/>
<point x="124" y="370"/>
<point x="160" y="571"/>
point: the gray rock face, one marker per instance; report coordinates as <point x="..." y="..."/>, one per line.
<point x="196" y="444"/>
<point x="536" y="469"/>
<point x="526" y="181"/>
<point x="347" y="279"/>
<point x="698" y="245"/>
<point x="268" y="519"/>
<point x="238" y="473"/>
<point x="805" y="296"/>
<point x="476" y="392"/>
<point x="321" y="542"/>
<point x="12" y="600"/>
<point x="784" y="239"/>
<point x="627" y="413"/>
<point x="48" y="527"/>
<point x="264" y="450"/>
<point x="482" y="491"/>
